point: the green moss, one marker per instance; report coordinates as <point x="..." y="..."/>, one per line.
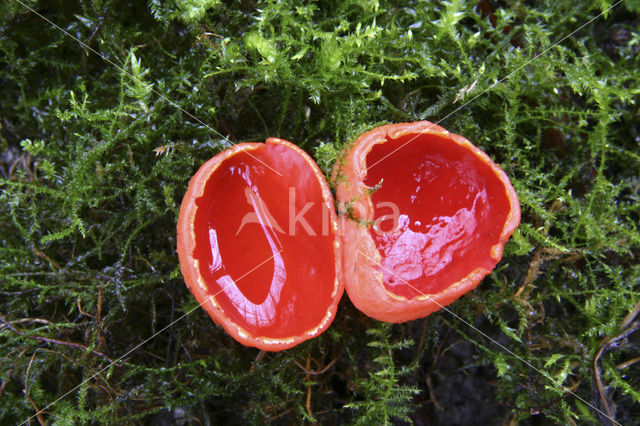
<point x="96" y="156"/>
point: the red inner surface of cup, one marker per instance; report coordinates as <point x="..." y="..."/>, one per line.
<point x="451" y="209"/>
<point x="271" y="274"/>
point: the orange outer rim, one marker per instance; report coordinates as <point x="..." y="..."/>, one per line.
<point x="190" y="268"/>
<point x="363" y="283"/>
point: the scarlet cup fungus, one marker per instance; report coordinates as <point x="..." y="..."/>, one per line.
<point x="258" y="246"/>
<point x="428" y="215"/>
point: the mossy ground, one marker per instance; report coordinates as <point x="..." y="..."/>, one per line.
<point x="96" y="155"/>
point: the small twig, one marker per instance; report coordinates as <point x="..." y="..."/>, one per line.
<point x="423" y="335"/>
<point x="210" y="31"/>
<point x="73" y="361"/>
<point x="451" y="346"/>
<point x="94" y="32"/>
<point x="259" y="357"/>
<point x="165" y="150"/>
<point x="74" y="345"/>
<point x="205" y="35"/>
<point x="277" y="416"/>
<point x="59" y="342"/>
<point x="628" y="363"/>
<point x="23" y="320"/>
<point x="43" y="255"/>
<point x="630" y="317"/>
<point x="26" y="391"/>
<point x="432" y="394"/>
<point x="151" y="354"/>
<point x="149" y="264"/>
<point x="607" y="345"/>
<point x="308" y="404"/>
<point x="532" y="272"/>
<point x="540" y="255"/>
<point x="9" y="326"/>
<point x="81" y="311"/>
<point x="324" y="370"/>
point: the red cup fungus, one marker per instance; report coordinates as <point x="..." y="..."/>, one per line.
<point x="258" y="245"/>
<point x="427" y="217"/>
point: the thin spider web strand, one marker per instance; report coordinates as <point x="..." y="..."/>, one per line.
<point x="544" y="374"/>
<point x="536" y="57"/>
<point x="145" y="341"/>
<point x="216" y="132"/>
<point x="122" y="70"/>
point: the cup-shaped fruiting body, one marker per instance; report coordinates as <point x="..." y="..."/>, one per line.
<point x="258" y="245"/>
<point x="425" y="217"/>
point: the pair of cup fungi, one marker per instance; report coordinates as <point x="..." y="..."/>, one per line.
<point x="424" y="216"/>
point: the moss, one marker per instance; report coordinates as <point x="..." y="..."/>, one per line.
<point x="96" y="156"/>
